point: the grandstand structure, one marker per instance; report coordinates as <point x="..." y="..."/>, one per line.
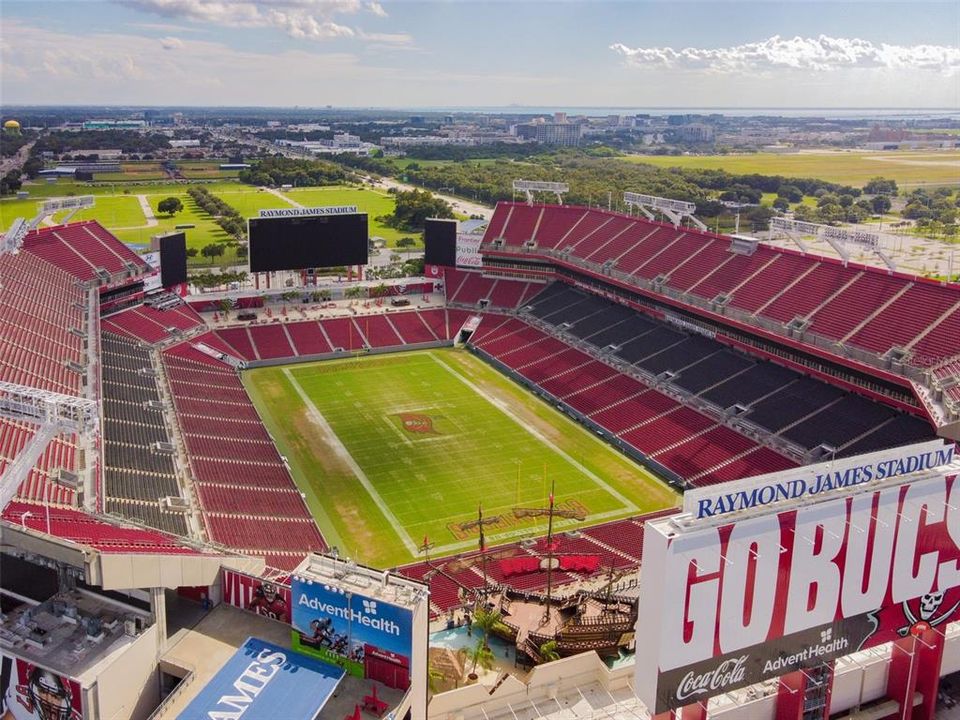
<point x="703" y="357"/>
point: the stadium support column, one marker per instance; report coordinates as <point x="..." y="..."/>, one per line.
<point x="158" y="606"/>
<point x="915" y="670"/>
<point x="790" y="693"/>
<point x="697" y="711"/>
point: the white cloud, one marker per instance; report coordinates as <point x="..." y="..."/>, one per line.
<point x="820" y="54"/>
<point x="300" y="19"/>
<point x="377" y="9"/>
<point x="171" y="43"/>
<point x="42" y="66"/>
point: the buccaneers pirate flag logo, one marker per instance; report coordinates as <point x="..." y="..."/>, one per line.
<point x="914" y="617"/>
<point x="417" y="423"/>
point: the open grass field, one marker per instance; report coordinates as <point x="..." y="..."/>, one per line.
<point x="372" y="202"/>
<point x="908" y="168"/>
<point x="118" y="209"/>
<point x="391" y="448"/>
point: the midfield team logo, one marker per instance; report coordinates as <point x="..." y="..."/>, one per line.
<point x="417" y="423"/>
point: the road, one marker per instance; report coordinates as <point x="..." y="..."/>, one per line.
<point x="15" y="161"/>
<point x="464" y="207"/>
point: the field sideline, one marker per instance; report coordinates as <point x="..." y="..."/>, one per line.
<point x="392" y="448"/>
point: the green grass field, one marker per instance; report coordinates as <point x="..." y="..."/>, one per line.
<point x="908" y="168"/>
<point x="389" y="449"/>
<point x="118" y="209"/>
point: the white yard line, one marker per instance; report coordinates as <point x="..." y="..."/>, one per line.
<point x="345" y="455"/>
<point x="503" y="407"/>
<point x="558" y="525"/>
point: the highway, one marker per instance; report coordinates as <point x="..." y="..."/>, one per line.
<point x="15" y="161"/>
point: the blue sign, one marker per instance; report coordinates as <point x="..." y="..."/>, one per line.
<point x="340" y="622"/>
<point x="260" y="678"/>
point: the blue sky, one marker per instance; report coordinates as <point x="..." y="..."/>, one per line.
<point x="464" y="53"/>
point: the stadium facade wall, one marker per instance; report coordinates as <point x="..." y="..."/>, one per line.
<point x="298" y="359"/>
<point x="859" y="680"/>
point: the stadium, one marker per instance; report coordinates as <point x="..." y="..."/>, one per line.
<point x="692" y="475"/>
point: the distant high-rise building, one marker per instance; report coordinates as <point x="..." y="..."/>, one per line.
<point x="568" y="134"/>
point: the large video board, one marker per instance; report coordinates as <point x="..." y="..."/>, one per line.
<point x="313" y="241"/>
<point x="440" y="242"/>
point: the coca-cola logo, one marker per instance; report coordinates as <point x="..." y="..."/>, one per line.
<point x="729" y="672"/>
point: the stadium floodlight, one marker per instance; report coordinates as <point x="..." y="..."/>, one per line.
<point x="49" y="207"/>
<point x="676" y="210"/>
<point x="13" y="237"/>
<point x="54" y="413"/>
<point x="838" y="238"/>
<point x="529" y="187"/>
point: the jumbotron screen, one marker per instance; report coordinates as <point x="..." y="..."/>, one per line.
<point x="440" y="242"/>
<point x="173" y="259"/>
<point x="315" y="241"/>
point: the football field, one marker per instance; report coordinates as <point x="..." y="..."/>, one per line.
<point x="393" y="449"/>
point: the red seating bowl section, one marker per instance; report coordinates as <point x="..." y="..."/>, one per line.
<point x="85" y="529"/>
<point x="39" y="305"/>
<point x="81" y="248"/>
<point x="469" y="287"/>
<point x="317" y="337"/>
<point x="690" y="444"/>
<point x="248" y="499"/>
<point x="150" y="325"/>
<point x="856" y="305"/>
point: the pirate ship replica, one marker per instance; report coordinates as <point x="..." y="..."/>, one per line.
<point x="551" y="601"/>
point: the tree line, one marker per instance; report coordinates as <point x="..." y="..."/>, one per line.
<point x="278" y="170"/>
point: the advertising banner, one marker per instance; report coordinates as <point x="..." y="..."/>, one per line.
<point x="30" y="692"/>
<point x="270" y="599"/>
<point x="837" y="477"/>
<point x="468" y="250"/>
<point x="353" y="630"/>
<point x="263" y="681"/>
<point x="152" y="282"/>
<point x="766" y="594"/>
<point x="288" y="212"/>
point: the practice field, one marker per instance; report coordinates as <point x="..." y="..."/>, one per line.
<point x="394" y="448"/>
<point x="908" y="168"/>
<point x="118" y="209"/>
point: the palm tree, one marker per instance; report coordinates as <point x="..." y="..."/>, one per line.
<point x="480" y="655"/>
<point x="548" y="651"/>
<point x="485" y="621"/>
<point x="434" y="678"/>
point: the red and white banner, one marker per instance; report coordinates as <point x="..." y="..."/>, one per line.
<point x="263" y="597"/>
<point x="735" y="603"/>
<point x="31" y="692"/>
<point x="468" y="250"/>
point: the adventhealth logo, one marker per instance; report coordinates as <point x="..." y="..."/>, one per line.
<point x="367" y="618"/>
